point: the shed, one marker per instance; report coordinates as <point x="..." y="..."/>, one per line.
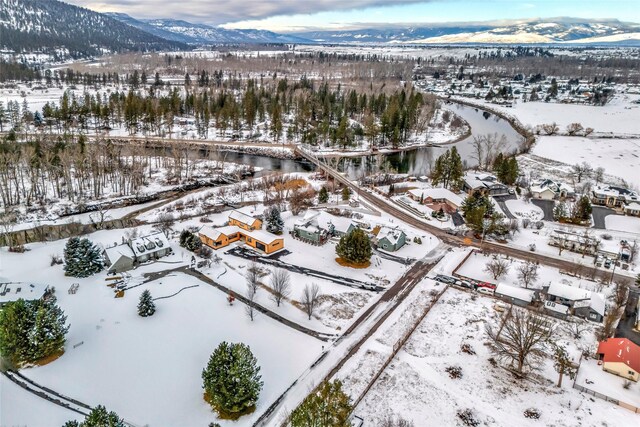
<point x="514" y="294"/>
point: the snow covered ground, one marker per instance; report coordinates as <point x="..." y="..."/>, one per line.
<point x="618" y="117"/>
<point x="629" y="224"/>
<point x="148" y="369"/>
<point x="523" y="210"/>
<point x="417" y="387"/>
<point x="618" y="157"/>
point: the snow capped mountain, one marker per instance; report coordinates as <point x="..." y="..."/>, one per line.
<point x="552" y="31"/>
<point x="187" y="32"/>
<point x="55" y="27"/>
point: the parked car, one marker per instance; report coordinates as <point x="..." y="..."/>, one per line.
<point x="607" y="263"/>
<point x="486" y="285"/>
<point x="485" y="291"/>
<point x="463" y="284"/>
<point x="445" y="279"/>
<point x="500" y="307"/>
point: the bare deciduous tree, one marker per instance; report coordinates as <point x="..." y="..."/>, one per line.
<point x="521" y="341"/>
<point x="574" y="128"/>
<point x="576" y="328"/>
<point x="581" y="170"/>
<point x="550" y="128"/>
<point x="392" y="421"/>
<point x="528" y="273"/>
<point x="250" y="307"/>
<point x="498" y="267"/>
<point x="281" y="285"/>
<point x="166" y="221"/>
<point x="310" y="299"/>
<point x="252" y="275"/>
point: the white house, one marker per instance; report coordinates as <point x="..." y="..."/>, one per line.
<point x="548" y="190"/>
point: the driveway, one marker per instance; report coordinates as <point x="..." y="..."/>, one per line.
<point x="599" y="214"/>
<point x="546" y="206"/>
<point x="625" y="327"/>
<point x="500" y="200"/>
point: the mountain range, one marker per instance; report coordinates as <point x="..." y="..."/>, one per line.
<point x="65" y="30"/>
<point x="541" y="31"/>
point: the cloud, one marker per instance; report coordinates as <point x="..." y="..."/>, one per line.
<point x="226" y="11"/>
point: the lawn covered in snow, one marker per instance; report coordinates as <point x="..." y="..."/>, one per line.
<point x="148" y="369"/>
<point x="417" y="387"/>
<point x="629" y="224"/>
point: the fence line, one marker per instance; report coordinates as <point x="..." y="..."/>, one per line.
<point x="583" y="389"/>
<point x="398" y="345"/>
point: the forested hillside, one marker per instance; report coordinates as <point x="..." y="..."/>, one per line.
<point x="64" y="31"/>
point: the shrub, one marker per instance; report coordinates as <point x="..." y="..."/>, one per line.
<point x="455" y="372"/>
<point x="205" y="252"/>
<point x="532" y="413"/>
<point x="56" y="260"/>
<point x="466" y="348"/>
<point x="467" y="418"/>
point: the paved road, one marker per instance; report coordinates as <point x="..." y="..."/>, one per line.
<point x="401" y="214"/>
<point x="546" y="206"/>
<point x="599" y="214"/>
<point x="626" y="325"/>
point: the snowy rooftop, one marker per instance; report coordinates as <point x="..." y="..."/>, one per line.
<point x="514" y="292"/>
<point x="558" y="308"/>
<point x="479" y="180"/>
<point x="150" y="244"/>
<point x="116" y="252"/>
<point x="436" y="193"/>
<point x="543" y="184"/>
<point x="392" y="234"/>
<point x="568" y="292"/>
<point x="611" y="191"/>
<point x="242" y="217"/>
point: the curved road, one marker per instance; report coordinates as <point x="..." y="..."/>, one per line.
<point x="401" y="214"/>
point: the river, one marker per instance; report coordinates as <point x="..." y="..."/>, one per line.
<point x="418" y="162"/>
<point x="415" y="162"/>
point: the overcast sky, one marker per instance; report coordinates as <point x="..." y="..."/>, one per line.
<point x="297" y="15"/>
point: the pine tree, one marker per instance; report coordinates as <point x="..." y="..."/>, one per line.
<point x="146" y="306"/>
<point x="82" y="258"/>
<point x="98" y="417"/>
<point x="231" y="380"/>
<point x="346" y="193"/>
<point x="448" y="169"/>
<point x="275" y="224"/>
<point x="193" y="242"/>
<point x="31" y="330"/>
<point x="330" y="406"/>
<point x="323" y="195"/>
<point x="355" y="247"/>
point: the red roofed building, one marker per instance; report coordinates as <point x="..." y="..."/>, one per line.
<point x="621" y="357"/>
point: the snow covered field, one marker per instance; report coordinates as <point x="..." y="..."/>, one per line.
<point x="148" y="369"/>
<point x="416" y="386"/>
<point x="618" y="117"/>
<point x="618" y="157"/>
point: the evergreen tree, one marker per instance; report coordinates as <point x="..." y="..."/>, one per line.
<point x="231" y="380"/>
<point x="582" y="210"/>
<point x="355" y="247"/>
<point x="275" y="224"/>
<point x="184" y="235"/>
<point x="193" y="242"/>
<point x="31" y="330"/>
<point x="346" y="193"/>
<point x="323" y="195"/>
<point x="448" y="169"/>
<point x="98" y="417"/>
<point x="477" y="200"/>
<point x="82" y="258"/>
<point x="560" y="212"/>
<point x="330" y="406"/>
<point x="146" y="306"/>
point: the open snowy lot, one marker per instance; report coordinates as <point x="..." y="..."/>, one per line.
<point x="417" y="387"/>
<point x="629" y="224"/>
<point x="618" y="117"/>
<point x="618" y="157"/>
<point x="523" y="210"/>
